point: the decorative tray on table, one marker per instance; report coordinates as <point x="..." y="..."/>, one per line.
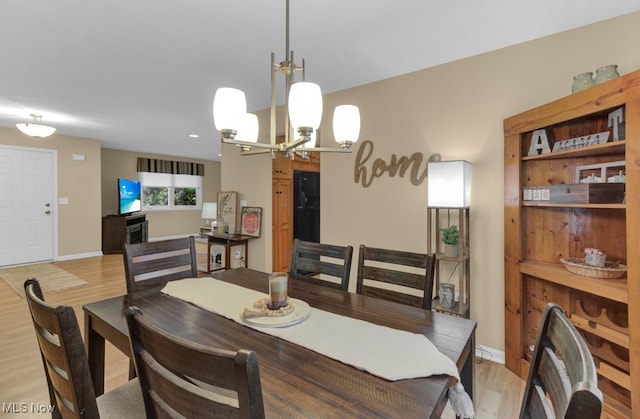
<point x="610" y="270"/>
<point x="258" y="313"/>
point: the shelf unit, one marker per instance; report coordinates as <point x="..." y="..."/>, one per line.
<point x="447" y="268"/>
<point x="539" y="233"/>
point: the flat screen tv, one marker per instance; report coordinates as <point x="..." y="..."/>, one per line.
<point x="129" y="197"/>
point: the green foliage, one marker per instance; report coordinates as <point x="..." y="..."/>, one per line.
<point x="450" y="235"/>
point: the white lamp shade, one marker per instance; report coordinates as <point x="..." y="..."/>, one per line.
<point x="248" y="128"/>
<point x="36" y="130"/>
<point x="209" y="210"/>
<point x="449" y="184"/>
<point x="346" y="123"/>
<point x="229" y="106"/>
<point x="305" y="105"/>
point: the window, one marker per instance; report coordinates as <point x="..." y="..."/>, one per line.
<point x="162" y="191"/>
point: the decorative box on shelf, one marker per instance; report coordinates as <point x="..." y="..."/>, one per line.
<point x="535" y="193"/>
<point x="587" y="193"/>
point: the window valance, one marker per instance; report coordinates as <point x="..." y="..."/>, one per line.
<point x="169" y="166"/>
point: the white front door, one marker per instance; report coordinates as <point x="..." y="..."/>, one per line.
<point x="26" y="205"/>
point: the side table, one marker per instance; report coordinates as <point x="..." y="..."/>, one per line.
<point x="227" y="241"/>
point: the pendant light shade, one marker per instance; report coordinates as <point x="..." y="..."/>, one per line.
<point x="229" y="107"/>
<point x="248" y="128"/>
<point x="35" y="128"/>
<point x="346" y="124"/>
<point x="305" y="105"/>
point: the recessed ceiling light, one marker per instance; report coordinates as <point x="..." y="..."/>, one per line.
<point x="194" y="136"/>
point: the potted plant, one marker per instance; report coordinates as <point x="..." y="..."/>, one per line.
<point x="450" y="237"/>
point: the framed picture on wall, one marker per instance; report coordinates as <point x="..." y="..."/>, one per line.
<point x="250" y="221"/>
<point x="228" y="211"/>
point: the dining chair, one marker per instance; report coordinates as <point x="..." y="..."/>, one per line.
<point x="185" y="379"/>
<point x="562" y="380"/>
<point x="153" y="264"/>
<point x="395" y="275"/>
<point x="313" y="262"/>
<point x="67" y="369"/>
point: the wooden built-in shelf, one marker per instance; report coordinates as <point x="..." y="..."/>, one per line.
<point x="560" y="205"/>
<point x="616" y="147"/>
<point x="613" y="289"/>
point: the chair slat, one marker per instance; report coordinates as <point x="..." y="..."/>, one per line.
<point x="562" y="370"/>
<point x="312" y="261"/>
<point x="393" y="274"/>
<point x="153" y="264"/>
<point x="179" y="377"/>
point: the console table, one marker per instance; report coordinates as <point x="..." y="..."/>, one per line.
<point x="227" y="241"/>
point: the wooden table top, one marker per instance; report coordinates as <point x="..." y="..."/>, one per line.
<point x="297" y="382"/>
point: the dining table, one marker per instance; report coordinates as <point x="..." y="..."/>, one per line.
<point x="296" y="381"/>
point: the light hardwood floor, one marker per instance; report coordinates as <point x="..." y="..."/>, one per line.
<point x="498" y="391"/>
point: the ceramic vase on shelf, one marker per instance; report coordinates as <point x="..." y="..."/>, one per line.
<point x="451" y="250"/>
<point x="606" y="73"/>
<point x="594" y="257"/>
<point x="446" y="295"/>
<point x="582" y="81"/>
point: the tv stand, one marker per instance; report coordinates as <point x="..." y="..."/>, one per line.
<point x="120" y="229"/>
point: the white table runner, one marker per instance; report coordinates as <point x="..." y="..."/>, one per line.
<point x="382" y="351"/>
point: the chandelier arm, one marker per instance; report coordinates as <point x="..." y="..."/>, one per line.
<point x="250" y="144"/>
<point x="296" y="143"/>
<point x="255" y="152"/>
<point x="329" y="149"/>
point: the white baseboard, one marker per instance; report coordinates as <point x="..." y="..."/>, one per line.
<point x="490" y="354"/>
<point x="78" y="256"/>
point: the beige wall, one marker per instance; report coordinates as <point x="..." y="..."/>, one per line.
<point x="456" y="110"/>
<point x="79" y="227"/>
<point x="90" y="187"/>
<point x="122" y="164"/>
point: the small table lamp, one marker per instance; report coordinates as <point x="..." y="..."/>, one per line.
<point x="209" y="212"/>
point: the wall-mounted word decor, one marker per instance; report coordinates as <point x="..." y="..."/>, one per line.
<point x="378" y="167"/>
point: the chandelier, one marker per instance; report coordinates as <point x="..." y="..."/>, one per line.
<point x="303" y="113"/>
<point x="35" y="127"/>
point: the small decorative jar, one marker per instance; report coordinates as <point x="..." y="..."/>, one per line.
<point x="582" y="81"/>
<point x="594" y="257"/>
<point x="606" y="73"/>
<point x="446" y="295"/>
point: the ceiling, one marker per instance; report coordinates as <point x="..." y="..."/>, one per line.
<point x="141" y="75"/>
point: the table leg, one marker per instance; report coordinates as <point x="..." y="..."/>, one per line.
<point x="246" y="253"/>
<point x="94" y="345"/>
<point x="227" y="256"/>
<point x="209" y="243"/>
<point x="468" y="369"/>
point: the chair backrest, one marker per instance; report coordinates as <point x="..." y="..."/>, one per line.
<point x="403" y="270"/>
<point x="182" y="378"/>
<point x="562" y="379"/>
<point x="63" y="355"/>
<point x="153" y="264"/>
<point x="313" y="261"/>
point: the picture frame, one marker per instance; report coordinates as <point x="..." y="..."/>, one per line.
<point x="251" y="218"/>
<point x="612" y="172"/>
<point x="227" y="211"/>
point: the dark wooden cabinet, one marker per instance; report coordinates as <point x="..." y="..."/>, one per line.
<point x="118" y="230"/>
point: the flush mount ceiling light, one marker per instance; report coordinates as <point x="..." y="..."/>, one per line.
<point x="303" y="112"/>
<point x="35" y="128"/>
